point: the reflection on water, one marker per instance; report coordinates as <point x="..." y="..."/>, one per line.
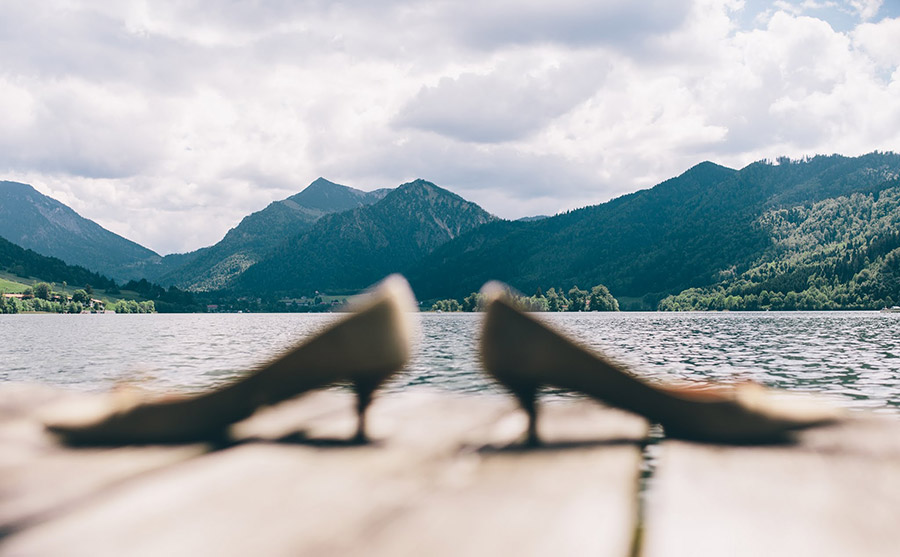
<point x="853" y="357"/>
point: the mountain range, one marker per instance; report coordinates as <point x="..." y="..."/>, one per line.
<point x="328" y="235"/>
<point x="257" y="235"/>
<point x="347" y="251"/>
<point x="34" y="221"/>
<point x="713" y="231"/>
<point x="644" y="246"/>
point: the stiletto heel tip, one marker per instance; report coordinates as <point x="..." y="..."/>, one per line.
<point x="360" y="438"/>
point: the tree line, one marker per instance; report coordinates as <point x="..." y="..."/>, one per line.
<point x="41" y="298"/>
<point x="597" y="299"/>
<point x="165" y="300"/>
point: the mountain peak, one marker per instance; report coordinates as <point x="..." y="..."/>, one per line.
<point x="322" y="183"/>
<point x="329" y="197"/>
<point x="424" y="188"/>
<point x="421" y="182"/>
<point x="26" y="193"/>
<point x="17" y="187"/>
<point x="695" y="180"/>
<point x="706" y="168"/>
<point x="417" y="184"/>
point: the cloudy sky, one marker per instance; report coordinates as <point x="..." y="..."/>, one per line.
<point x="168" y="121"/>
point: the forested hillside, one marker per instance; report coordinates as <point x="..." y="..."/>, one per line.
<point x="840" y="253"/>
<point x="654" y="243"/>
<point x="26" y="263"/>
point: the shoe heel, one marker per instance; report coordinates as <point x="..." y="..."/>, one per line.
<point x="364" y="389"/>
<point x="526" y="395"/>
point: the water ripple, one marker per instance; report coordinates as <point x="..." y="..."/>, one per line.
<point x="849" y="356"/>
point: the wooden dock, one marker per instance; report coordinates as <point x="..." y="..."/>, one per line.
<point x="444" y="476"/>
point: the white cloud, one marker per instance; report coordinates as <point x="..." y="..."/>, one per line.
<point x="812" y="90"/>
<point x="880" y="41"/>
<point x="867" y="9"/>
<point x="169" y="121"/>
<point x="512" y="101"/>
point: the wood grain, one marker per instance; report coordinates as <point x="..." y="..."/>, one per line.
<point x="444" y="475"/>
<point x="836" y="492"/>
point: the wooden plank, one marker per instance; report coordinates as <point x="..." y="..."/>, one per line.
<point x="39" y="477"/>
<point x="575" y="496"/>
<point x="266" y="498"/>
<point x="438" y="463"/>
<point x="835" y="493"/>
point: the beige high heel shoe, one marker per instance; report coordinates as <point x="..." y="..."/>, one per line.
<point x="524" y="354"/>
<point x="363" y="349"/>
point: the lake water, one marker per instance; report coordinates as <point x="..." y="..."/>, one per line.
<point x="852" y="357"/>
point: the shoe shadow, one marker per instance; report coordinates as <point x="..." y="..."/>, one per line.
<point x="561" y="445"/>
<point x="781" y="439"/>
<point x="301" y="438"/>
<point x="520" y="446"/>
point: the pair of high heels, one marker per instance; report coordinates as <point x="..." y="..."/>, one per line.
<point x="370" y="345"/>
